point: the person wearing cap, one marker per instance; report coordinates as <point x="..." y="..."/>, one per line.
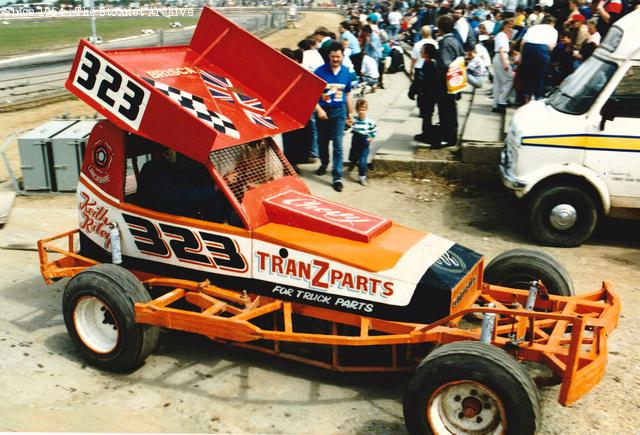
<point x="538" y="43"/>
<point x="372" y="21"/>
<point x="574" y="10"/>
<point x="579" y="32"/>
<point x="590" y="45"/>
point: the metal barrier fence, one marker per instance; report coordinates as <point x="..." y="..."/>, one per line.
<point x="258" y="24"/>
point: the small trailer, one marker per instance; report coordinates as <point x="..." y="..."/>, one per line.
<point x="246" y="255"/>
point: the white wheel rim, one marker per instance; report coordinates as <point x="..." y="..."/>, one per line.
<point x="96" y="325"/>
<point x="466" y="407"/>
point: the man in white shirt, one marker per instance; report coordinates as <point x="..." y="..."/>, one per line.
<point x="369" y="72"/>
<point x="489" y="25"/>
<point x="311" y="57"/>
<point x="416" y="51"/>
<point x="394" y="18"/>
<point x="502" y="73"/>
<point x="509" y="8"/>
<point x="532" y="19"/>
<point x="538" y="43"/>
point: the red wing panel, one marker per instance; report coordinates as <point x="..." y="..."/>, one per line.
<point x="258" y="69"/>
<point x="300" y="210"/>
<point x="201" y="97"/>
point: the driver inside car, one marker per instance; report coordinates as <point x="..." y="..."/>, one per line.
<point x="173" y="183"/>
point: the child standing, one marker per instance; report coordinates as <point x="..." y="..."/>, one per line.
<point x="364" y="130"/>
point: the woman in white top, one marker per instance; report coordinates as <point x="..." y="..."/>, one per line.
<point x="502" y="74"/>
<point x="538" y="43"/>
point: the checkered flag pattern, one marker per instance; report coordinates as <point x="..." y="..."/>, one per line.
<point x="196" y="106"/>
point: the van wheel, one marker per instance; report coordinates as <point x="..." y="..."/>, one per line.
<point x="470" y="387"/>
<point x="516" y="268"/>
<point x="99" y="315"/>
<point x="562" y="216"/>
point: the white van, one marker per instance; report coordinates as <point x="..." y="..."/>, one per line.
<point x="576" y="155"/>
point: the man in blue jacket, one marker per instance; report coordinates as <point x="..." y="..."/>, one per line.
<point x="334" y="111"/>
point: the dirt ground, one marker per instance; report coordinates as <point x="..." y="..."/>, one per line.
<point x="193" y="385"/>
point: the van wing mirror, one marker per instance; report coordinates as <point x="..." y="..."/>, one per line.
<point x="609" y="111"/>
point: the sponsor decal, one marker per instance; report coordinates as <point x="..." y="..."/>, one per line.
<point x="464" y="291"/>
<point x="322" y="275"/>
<point x="101" y="158"/>
<point x="111" y="88"/>
<point x="94" y="220"/>
<point x="331" y="301"/>
<point x="301" y="207"/>
<point x="331" y="214"/>
<point x="170" y="72"/>
<point x="451" y="262"/>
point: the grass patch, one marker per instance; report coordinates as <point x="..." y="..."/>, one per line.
<point x="24" y="36"/>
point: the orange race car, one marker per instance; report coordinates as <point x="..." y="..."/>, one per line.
<point x="190" y="218"/>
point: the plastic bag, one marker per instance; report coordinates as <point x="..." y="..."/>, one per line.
<point x="456" y="76"/>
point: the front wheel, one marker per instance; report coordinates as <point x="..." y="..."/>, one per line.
<point x="471" y="388"/>
<point x="562" y="216"/>
<point x="516" y="268"/>
<point x="98" y="309"/>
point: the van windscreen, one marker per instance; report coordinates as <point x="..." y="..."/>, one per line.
<point x="578" y="91"/>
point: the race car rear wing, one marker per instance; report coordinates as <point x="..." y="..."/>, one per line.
<point x="225" y="88"/>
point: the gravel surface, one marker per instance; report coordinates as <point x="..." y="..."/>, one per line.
<point x="193" y="385"/>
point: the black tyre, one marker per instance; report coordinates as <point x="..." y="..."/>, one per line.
<point x="471" y="388"/>
<point x="516" y="268"/>
<point x="98" y="311"/>
<point x="562" y="216"/>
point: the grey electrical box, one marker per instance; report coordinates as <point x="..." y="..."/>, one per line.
<point x="51" y="155"/>
<point x="68" y="152"/>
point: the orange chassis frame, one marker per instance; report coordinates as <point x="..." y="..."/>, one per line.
<point x="567" y="334"/>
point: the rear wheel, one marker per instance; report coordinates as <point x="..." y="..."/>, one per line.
<point x="471" y="388"/>
<point x="516" y="268"/>
<point x="562" y="216"/>
<point x="98" y="308"/>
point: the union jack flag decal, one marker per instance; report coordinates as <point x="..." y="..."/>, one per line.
<point x="221" y="88"/>
<point x="254" y="110"/>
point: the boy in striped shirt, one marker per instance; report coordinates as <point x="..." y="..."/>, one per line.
<point x="364" y="130"/>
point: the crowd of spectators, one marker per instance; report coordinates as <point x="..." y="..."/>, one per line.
<point x="522" y="47"/>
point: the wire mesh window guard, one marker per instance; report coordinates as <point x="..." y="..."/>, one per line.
<point x="246" y="166"/>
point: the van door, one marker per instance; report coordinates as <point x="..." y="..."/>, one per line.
<point x="614" y="151"/>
